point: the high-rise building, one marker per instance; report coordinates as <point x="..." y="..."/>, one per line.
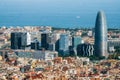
<point x="85" y="49"/>
<point x="45" y="40"/>
<point x="20" y="40"/>
<point x="26" y="38"/>
<point x="100" y="35"/>
<point x="55" y="39"/>
<point x="75" y="41"/>
<point x="64" y="42"/>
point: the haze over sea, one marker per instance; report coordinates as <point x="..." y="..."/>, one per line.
<point x="58" y="13"/>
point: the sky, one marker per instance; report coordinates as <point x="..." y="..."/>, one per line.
<point x="57" y="7"/>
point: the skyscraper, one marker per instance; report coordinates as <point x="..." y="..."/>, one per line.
<point x="64" y="43"/>
<point x="45" y="40"/>
<point x="75" y="41"/>
<point x="100" y="35"/>
<point x="19" y="40"/>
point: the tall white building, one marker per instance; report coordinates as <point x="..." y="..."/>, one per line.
<point x="26" y="39"/>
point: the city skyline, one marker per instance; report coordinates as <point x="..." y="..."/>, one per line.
<point x="59" y="40"/>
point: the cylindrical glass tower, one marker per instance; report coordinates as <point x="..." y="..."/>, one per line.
<point x="100" y="35"/>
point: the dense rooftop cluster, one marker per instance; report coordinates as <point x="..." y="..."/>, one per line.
<point x="40" y="64"/>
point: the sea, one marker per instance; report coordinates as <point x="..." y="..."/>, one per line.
<point x="86" y="20"/>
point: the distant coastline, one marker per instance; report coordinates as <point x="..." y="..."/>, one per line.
<point x="86" y="20"/>
<point x="66" y="28"/>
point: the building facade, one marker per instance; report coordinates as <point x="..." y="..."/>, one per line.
<point x="75" y="41"/>
<point x="20" y="40"/>
<point x="100" y="35"/>
<point x="35" y="45"/>
<point x="114" y="42"/>
<point x="64" y="43"/>
<point x="40" y="55"/>
<point x="85" y="49"/>
<point x="45" y="40"/>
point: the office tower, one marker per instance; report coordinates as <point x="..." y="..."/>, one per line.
<point x="85" y="49"/>
<point x="64" y="43"/>
<point x="15" y="40"/>
<point x="55" y="39"/>
<point x="75" y="41"/>
<point x="26" y="38"/>
<point x="45" y="40"/>
<point x="20" y="40"/>
<point x="100" y="35"/>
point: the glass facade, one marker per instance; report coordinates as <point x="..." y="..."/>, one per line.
<point x="100" y="35"/>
